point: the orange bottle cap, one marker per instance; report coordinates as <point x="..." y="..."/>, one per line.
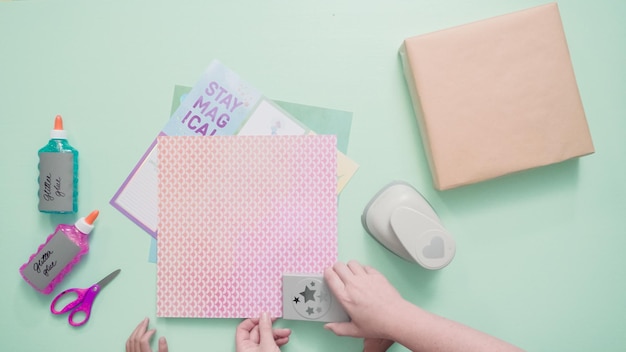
<point x="58" y="132"/>
<point x="92" y="217"/>
<point x="58" y="123"/>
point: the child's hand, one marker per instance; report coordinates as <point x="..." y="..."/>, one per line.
<point x="139" y="340"/>
<point x="257" y="335"/>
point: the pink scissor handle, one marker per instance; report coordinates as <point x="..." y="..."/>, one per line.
<point x="82" y="303"/>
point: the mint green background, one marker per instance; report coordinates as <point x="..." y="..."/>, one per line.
<point x="540" y="259"/>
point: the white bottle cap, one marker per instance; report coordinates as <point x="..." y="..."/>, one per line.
<point x="85" y="225"/>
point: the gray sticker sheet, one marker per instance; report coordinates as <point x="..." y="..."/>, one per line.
<point x="50" y="260"/>
<point x="56" y="182"/>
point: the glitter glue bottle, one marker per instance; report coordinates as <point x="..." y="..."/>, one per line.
<point x="55" y="258"/>
<point x="58" y="173"/>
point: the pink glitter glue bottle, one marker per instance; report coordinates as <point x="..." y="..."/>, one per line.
<point x="57" y="256"/>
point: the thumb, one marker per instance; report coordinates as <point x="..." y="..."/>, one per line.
<point x="343" y="329"/>
<point x="163" y="345"/>
<point x="266" y="335"/>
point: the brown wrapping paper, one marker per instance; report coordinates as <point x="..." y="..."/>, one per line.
<point x="496" y="97"/>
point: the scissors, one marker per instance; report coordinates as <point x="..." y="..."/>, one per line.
<point x="84" y="300"/>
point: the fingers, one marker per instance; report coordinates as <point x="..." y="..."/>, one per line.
<point x="131" y="342"/>
<point x="139" y="330"/>
<point x="338" y="275"/>
<point x="266" y="333"/>
<point x="333" y="281"/>
<point x="145" y="341"/>
<point x="246" y="325"/>
<point x="343" y="329"/>
<point x="259" y="332"/>
<point x="281" y="336"/>
<point x="369" y="270"/>
<point x="347" y="271"/>
<point x="356" y="267"/>
<point x="280" y="333"/>
<point x="139" y="340"/>
<point x="163" y="345"/>
<point x="243" y="330"/>
<point x="342" y="270"/>
<point x="254" y="335"/>
<point x="282" y="341"/>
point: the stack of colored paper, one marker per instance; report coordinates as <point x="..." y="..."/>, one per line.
<point x="239" y="192"/>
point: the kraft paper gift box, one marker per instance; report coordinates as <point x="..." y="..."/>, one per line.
<point x="495" y="97"/>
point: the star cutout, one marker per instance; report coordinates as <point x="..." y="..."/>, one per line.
<point x="296" y="300"/>
<point x="308" y="294"/>
<point x="310" y="310"/>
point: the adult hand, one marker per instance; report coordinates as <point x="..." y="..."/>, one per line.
<point x="139" y="340"/>
<point x="376" y="345"/>
<point x="372" y="303"/>
<point x="257" y="335"/>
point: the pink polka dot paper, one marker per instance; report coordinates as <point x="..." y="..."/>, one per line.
<point x="235" y="213"/>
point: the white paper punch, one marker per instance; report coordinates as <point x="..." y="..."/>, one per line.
<point x="405" y="223"/>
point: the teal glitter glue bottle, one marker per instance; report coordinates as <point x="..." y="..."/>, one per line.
<point x="58" y="173"/>
<point x="56" y="257"/>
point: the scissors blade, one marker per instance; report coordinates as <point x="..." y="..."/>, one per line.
<point x="108" y="278"/>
